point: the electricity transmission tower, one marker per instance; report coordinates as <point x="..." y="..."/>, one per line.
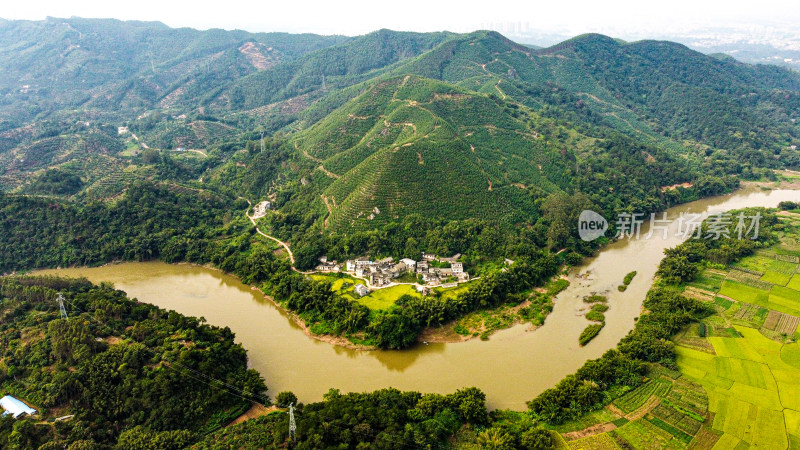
<point x="262" y="142"/>
<point x="61" y="309"/>
<point x="292" y="425"/>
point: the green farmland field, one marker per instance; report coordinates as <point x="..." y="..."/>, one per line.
<point x="752" y="381"/>
<point x="738" y="384"/>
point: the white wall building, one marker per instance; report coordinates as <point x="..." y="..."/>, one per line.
<point x="361" y="290"/>
<point x="15" y="408"/>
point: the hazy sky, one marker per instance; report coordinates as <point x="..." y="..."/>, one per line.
<point x="358" y="17"/>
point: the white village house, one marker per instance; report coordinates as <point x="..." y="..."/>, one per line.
<point x="15" y="408"/>
<point x="410" y="263"/>
<point x="361" y="290"/>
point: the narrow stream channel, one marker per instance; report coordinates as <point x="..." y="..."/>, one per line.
<point x="512" y="367"/>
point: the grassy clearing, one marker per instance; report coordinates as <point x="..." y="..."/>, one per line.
<point x="708" y="280"/>
<point x="451" y="293"/>
<point x="758" y="263"/>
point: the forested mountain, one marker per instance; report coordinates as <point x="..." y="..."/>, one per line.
<point x="108" y="66"/>
<point x="368" y="130"/>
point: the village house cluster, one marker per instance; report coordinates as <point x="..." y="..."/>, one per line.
<point x="380" y="273"/>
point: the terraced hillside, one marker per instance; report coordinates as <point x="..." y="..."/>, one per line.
<point x="413" y="145"/>
<point x="659" y="92"/>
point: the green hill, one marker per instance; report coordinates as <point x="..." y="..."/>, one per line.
<point x="413" y="145"/>
<point x="106" y="65"/>
<point x="660" y="93"/>
<point x="402" y="122"/>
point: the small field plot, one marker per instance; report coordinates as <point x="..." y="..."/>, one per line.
<point x="783" y="267"/>
<point x="708" y="280"/>
<point x="751" y="314"/>
<point x="586" y="421"/>
<point x="596" y="442"/>
<point x="778" y="278"/>
<point x="642" y="434"/>
<point x="785" y="300"/>
<point x="781" y="323"/>
<point x="794" y="283"/>
<point x="385" y="298"/>
<point x="792" y="419"/>
<point x="757" y="263"/>
<point x="744" y="293"/>
<point x="637" y="397"/>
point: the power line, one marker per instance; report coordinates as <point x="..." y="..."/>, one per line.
<point x="61" y="309"/>
<point x="200" y="376"/>
<point x="292" y="425"/>
<point x="233" y="390"/>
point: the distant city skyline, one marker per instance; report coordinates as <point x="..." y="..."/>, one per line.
<point x="566" y="18"/>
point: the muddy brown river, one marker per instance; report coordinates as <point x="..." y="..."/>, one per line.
<point x="512" y="367"/>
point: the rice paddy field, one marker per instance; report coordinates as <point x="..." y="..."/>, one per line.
<point x="738" y="380"/>
<point x="751" y="369"/>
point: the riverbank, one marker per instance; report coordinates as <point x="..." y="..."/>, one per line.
<point x="340" y="341"/>
<point x="531" y="362"/>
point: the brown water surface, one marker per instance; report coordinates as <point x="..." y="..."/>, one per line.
<point x="513" y="366"/>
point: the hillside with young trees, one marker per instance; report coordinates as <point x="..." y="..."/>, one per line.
<point x="123" y="370"/>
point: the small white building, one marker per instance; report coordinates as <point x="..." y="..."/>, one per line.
<point x="15" y="408"/>
<point x="260" y="210"/>
<point x="428" y="256"/>
<point x="361" y="290"/>
<point x="410" y="263"/>
<point x="457" y="268"/>
<point x="350" y="265"/>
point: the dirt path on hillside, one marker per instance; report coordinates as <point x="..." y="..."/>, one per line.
<point x="327" y="172"/>
<point x="257" y="410"/>
<point x="330" y="210"/>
